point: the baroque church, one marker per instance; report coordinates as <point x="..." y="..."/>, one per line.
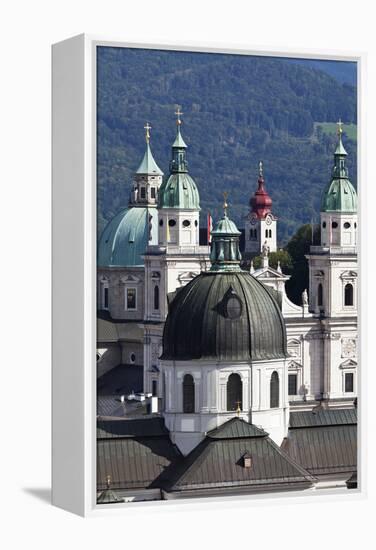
<point x="210" y="380"/>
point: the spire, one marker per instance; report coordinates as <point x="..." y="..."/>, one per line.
<point x="148" y="165"/>
<point x="108" y="496"/>
<point x="340" y="195"/>
<point x="340" y="154"/>
<point x="178" y="162"/>
<point x="261" y="203"/>
<point x="341" y="151"/>
<point x="225" y="254"/>
<point x="147" y="128"/>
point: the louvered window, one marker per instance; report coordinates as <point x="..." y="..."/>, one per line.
<point x="349" y="295"/>
<point x="349" y="382"/>
<point x="293" y="384"/>
<point x="188" y="394"/>
<point x="156" y="297"/>
<point x="274" y="390"/>
<point x="319" y="295"/>
<point x="234" y="392"/>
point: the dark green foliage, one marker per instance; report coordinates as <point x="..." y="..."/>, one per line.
<point x="297" y="248"/>
<point x="281" y="256"/>
<point x="237" y="110"/>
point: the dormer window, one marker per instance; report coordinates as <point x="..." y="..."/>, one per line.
<point x="247" y="460"/>
<point x="143" y="192"/>
<point x="232" y="305"/>
<point x="152" y="192"/>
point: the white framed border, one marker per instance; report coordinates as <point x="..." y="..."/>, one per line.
<point x="74" y="276"/>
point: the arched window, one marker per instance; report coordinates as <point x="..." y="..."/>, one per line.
<point x="188" y="394"/>
<point x="234" y="392"/>
<point x="156" y="297"/>
<point x="319" y="295"/>
<point x="349" y="295"/>
<point x="274" y="390"/>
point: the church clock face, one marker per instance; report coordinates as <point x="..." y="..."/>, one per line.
<point x="253" y="219"/>
<point x="268" y="220"/>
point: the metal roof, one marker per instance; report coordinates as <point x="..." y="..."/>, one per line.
<point x="179" y="191"/>
<point x="236" y="428"/>
<point x="136" y="453"/>
<point x="121" y="380"/>
<point x="148" y="165"/>
<point x="125" y="237"/>
<point x="124" y="428"/>
<point x="197" y="325"/>
<point x="323" y="417"/>
<point x="218" y="463"/>
<point x="323" y="450"/>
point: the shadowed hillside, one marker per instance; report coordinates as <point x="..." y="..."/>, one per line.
<point x="237" y="110"/>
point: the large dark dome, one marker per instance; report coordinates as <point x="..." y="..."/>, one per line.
<point x="226" y="316"/>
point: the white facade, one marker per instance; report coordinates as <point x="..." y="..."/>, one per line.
<point x="211" y="398"/>
<point x="259" y="232"/>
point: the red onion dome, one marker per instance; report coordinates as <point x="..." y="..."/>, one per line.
<point x="261" y="203"/>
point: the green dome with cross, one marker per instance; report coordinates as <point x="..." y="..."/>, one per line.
<point x="179" y="189"/>
<point x="340" y="195"/>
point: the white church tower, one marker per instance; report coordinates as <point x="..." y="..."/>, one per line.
<point x="176" y="259"/>
<point x="333" y="281"/>
<point x="260" y="224"/>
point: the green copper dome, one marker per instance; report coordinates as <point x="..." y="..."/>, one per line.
<point x="225" y="254"/>
<point x="340" y="195"/>
<point x="126" y="236"/>
<point x="224" y="316"/>
<point x="179" y="190"/>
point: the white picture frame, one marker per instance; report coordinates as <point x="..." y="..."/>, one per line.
<point x="74" y="271"/>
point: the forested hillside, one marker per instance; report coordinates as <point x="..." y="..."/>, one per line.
<point x="237" y="110"/>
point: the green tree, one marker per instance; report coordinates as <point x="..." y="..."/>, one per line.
<point x="298" y="247"/>
<point x="281" y="256"/>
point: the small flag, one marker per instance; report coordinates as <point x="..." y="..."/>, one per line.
<point x="210" y="228"/>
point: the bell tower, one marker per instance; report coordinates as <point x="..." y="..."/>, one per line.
<point x="175" y="259"/>
<point x="147" y="179"/>
<point x="333" y="283"/>
<point x="260" y="224"/>
<point x="333" y="264"/>
<point x="179" y="202"/>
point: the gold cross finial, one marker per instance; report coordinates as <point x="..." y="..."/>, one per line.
<point x="178" y="113"/>
<point x="225" y="205"/>
<point x="339" y="127"/>
<point x="238" y="410"/>
<point x="261" y="169"/>
<point x="108" y="481"/>
<point x="147" y="128"/>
